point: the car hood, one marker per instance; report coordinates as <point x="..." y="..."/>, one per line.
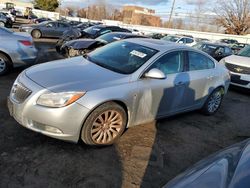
<point x="238" y="60"/>
<point x="226" y="169"/>
<point x="74" y="74"/>
<point x="81" y="43"/>
<point x="29" y="25"/>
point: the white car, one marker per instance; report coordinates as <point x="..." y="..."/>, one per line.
<point x="239" y="67"/>
<point x="180" y="39"/>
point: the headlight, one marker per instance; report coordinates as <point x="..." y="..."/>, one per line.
<point x="57" y="100"/>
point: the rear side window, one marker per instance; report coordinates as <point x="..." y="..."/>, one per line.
<point x="170" y="63"/>
<point x="188" y="40"/>
<point x="198" y="61"/>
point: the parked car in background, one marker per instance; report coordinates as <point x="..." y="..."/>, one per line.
<point x="46" y="29"/>
<point x="83" y="46"/>
<point x="239" y="67"/>
<point x="16" y="49"/>
<point x="156" y="35"/>
<point x="125" y="83"/>
<point x="216" y="50"/>
<point x="180" y="39"/>
<point x="237" y="47"/>
<point x="5" y="21"/>
<point x="90" y="32"/>
<point x="40" y="20"/>
<point x="228" y="168"/>
<point x="228" y="41"/>
<point x="9" y="15"/>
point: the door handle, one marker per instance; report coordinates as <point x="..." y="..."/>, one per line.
<point x="179" y="83"/>
<point x="210" y="77"/>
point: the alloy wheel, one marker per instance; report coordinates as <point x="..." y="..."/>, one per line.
<point x="2" y="65"/>
<point x="106" y="127"/>
<point x="214" y="101"/>
<point x="1" y="24"/>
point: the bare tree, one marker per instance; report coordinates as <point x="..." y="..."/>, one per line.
<point x="234" y="16"/>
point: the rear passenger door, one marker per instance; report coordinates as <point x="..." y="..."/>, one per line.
<point x="200" y="69"/>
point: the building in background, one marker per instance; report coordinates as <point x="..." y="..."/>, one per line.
<point x="140" y="16"/>
<point x="19" y="5"/>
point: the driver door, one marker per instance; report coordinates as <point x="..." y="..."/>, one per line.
<point x="49" y="29"/>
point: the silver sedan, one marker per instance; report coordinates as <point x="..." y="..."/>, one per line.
<point x="120" y="85"/>
<point x="16" y="49"/>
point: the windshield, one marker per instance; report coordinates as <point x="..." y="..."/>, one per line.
<point x="121" y="57"/>
<point x="245" y="51"/>
<point x="171" y="38"/>
<point x="109" y="37"/>
<point x="92" y="30"/>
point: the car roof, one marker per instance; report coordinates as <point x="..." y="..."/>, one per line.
<point x="159" y="45"/>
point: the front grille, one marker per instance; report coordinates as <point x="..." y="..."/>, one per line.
<point x="20" y="93"/>
<point x="238" y="69"/>
<point x="236" y="79"/>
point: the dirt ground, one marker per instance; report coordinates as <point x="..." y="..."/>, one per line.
<point x="146" y="156"/>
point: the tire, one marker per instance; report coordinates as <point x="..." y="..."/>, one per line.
<point x="36" y="34"/>
<point x="96" y="131"/>
<point x="5" y="64"/>
<point x="2" y="24"/>
<point x="213" y="102"/>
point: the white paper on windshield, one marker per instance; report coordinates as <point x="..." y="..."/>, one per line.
<point x="138" y="54"/>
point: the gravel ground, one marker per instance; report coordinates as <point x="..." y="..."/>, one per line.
<point x="146" y="156"/>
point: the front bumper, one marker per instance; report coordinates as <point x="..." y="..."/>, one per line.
<point x="241" y="80"/>
<point x="61" y="123"/>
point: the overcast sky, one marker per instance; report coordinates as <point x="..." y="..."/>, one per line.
<point x="161" y="6"/>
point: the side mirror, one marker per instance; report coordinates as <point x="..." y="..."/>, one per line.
<point x="155" y="74"/>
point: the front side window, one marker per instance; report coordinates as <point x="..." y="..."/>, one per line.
<point x="170" y="63"/>
<point x="122" y="56"/>
<point x="198" y="61"/>
<point x="189" y="40"/>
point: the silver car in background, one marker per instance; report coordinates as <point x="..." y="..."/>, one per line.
<point x="16" y="49"/>
<point x="120" y="85"/>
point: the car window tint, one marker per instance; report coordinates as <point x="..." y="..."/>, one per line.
<point x="188" y="40"/>
<point x="51" y="24"/>
<point x="199" y="62"/>
<point x="228" y="50"/>
<point x="62" y="25"/>
<point x="170" y="63"/>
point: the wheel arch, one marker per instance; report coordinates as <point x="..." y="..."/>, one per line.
<point x="117" y="101"/>
<point x="7" y="55"/>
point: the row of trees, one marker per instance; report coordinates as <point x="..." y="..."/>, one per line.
<point x="233" y="15"/>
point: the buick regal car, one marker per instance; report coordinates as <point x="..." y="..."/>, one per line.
<point x="122" y="84"/>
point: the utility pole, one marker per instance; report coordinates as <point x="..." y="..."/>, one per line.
<point x="171" y="13"/>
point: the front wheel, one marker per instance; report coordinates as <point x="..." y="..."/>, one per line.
<point x="213" y="102"/>
<point x="104" y="125"/>
<point x="5" y="64"/>
<point x="36" y="34"/>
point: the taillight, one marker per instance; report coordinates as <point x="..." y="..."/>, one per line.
<point x="26" y="42"/>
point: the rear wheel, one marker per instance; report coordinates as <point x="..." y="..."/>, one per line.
<point x="2" y="24"/>
<point x="104" y="125"/>
<point x="36" y="34"/>
<point x="5" y="64"/>
<point x="213" y="102"/>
